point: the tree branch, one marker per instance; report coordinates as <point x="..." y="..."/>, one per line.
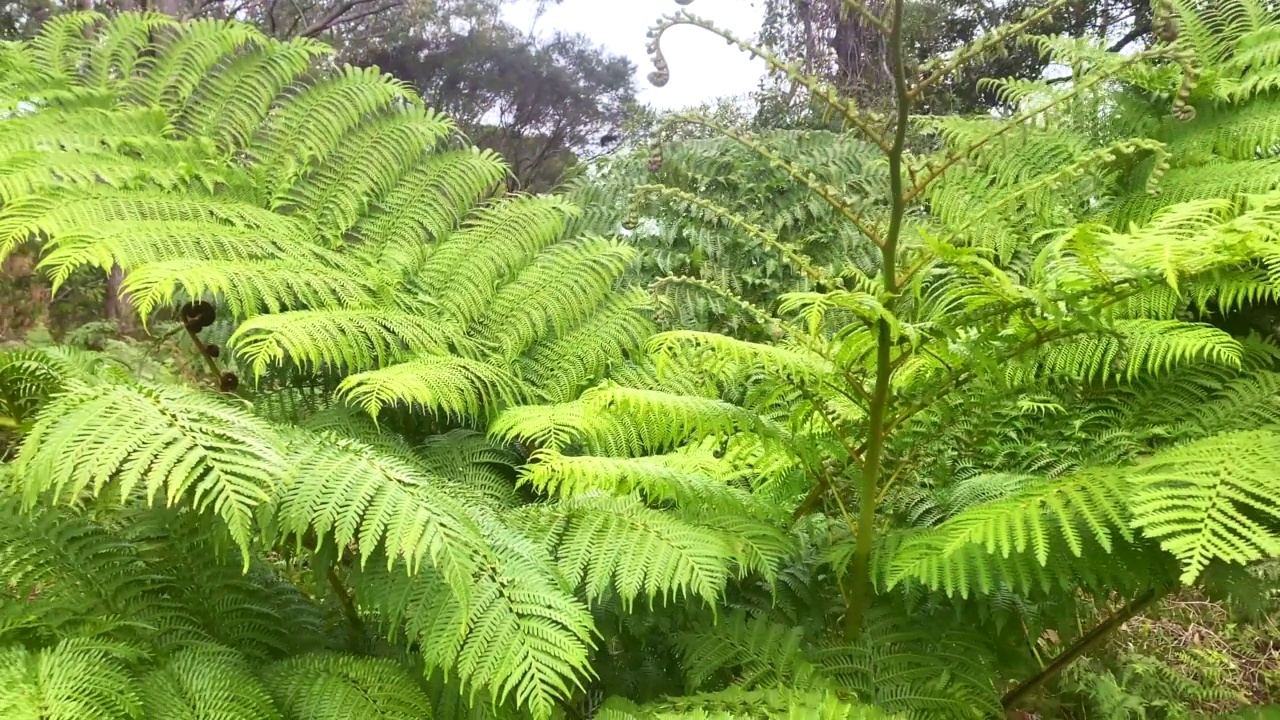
<point x="1083" y="645"/>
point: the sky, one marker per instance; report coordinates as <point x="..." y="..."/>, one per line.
<point x="702" y="66"/>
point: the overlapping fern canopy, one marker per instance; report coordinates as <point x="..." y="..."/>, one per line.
<point x="442" y="468"/>
<point x="337" y="537"/>
<point x="1027" y="393"/>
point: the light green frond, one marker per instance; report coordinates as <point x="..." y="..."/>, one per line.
<point x="30" y="377"/>
<point x="491" y="246"/>
<point x="189" y="56"/>
<point x="372" y="499"/>
<point x="686" y="479"/>
<point x="246" y="288"/>
<point x="368" y="163"/>
<point x="474" y="467"/>
<point x="32" y="172"/>
<point x="1029" y="523"/>
<point x="608" y="545"/>
<point x="54" y="215"/>
<point x="519" y="635"/>
<point x="1244" y="403"/>
<point x="1136" y="348"/>
<point x="564" y="366"/>
<point x="350" y="340"/>
<point x="63" y="45"/>
<point x="668" y="419"/>
<point x="206" y="681"/>
<point x="74" y="680"/>
<point x="739" y="704"/>
<point x="78" y="129"/>
<point x="428" y="202"/>
<point x="1219" y="179"/>
<point x="758" y="544"/>
<point x="132" y="244"/>
<point x="445" y="384"/>
<point x="120" y="46"/>
<point x="814" y="308"/>
<point x="230" y="104"/>
<point x="1215" y="499"/>
<point x="723" y="355"/>
<point x="175" y="445"/>
<point x="551" y="427"/>
<point x="291" y="142"/>
<point x="340" y="687"/>
<point x="563" y="287"/>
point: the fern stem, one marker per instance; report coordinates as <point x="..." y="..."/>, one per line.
<point x="1085" y="644"/>
<point x="349" y="612"/>
<point x="204" y="353"/>
<point x="860" y="590"/>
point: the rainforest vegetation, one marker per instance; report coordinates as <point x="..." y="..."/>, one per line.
<point x="384" y="361"/>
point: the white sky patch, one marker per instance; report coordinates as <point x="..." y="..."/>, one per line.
<point x="703" y="67"/>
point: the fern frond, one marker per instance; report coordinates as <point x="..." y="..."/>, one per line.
<point x="739" y="704"/>
<point x="78" y="679"/>
<point x="1030" y="522"/>
<point x="562" y="288"/>
<point x="349" y="340"/>
<point x="337" y="687"/>
<point x="518" y="635"/>
<point x="181" y="446"/>
<point x="206" y="681"/>
<point x="607" y="545"/>
<point x="376" y="501"/>
<point x="451" y="386"/>
<point x="1214" y="499"/>
<point x="686" y="479"/>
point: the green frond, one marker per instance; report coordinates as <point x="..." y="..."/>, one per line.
<point x="1214" y="499"/>
<point x="1030" y="523"/>
<point x="173" y="444"/>
<point x="518" y="635"/>
<point x="230" y="105"/>
<point x="550" y="427"/>
<point x="560" y="289"/>
<point x="472" y="464"/>
<point x="1132" y="348"/>
<point x="368" y="163"/>
<point x="189" y="55"/>
<point x="206" y="681"/>
<point x="448" y="385"/>
<point x="134" y="244"/>
<point x="348" y="340"/>
<point x="121" y="44"/>
<point x="31" y="377"/>
<point x="668" y="419"/>
<point x="246" y="288"/>
<point x="759" y="652"/>
<point x="493" y="244"/>
<point x="723" y="355"/>
<point x="55" y="215"/>
<point x="77" y="569"/>
<point x="377" y="502"/>
<point x="427" y="203"/>
<point x="78" y="679"/>
<point x="564" y="366"/>
<point x="62" y="45"/>
<point x="688" y="479"/>
<point x="290" y="141"/>
<point x="338" y="687"/>
<point x="606" y="545"/>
